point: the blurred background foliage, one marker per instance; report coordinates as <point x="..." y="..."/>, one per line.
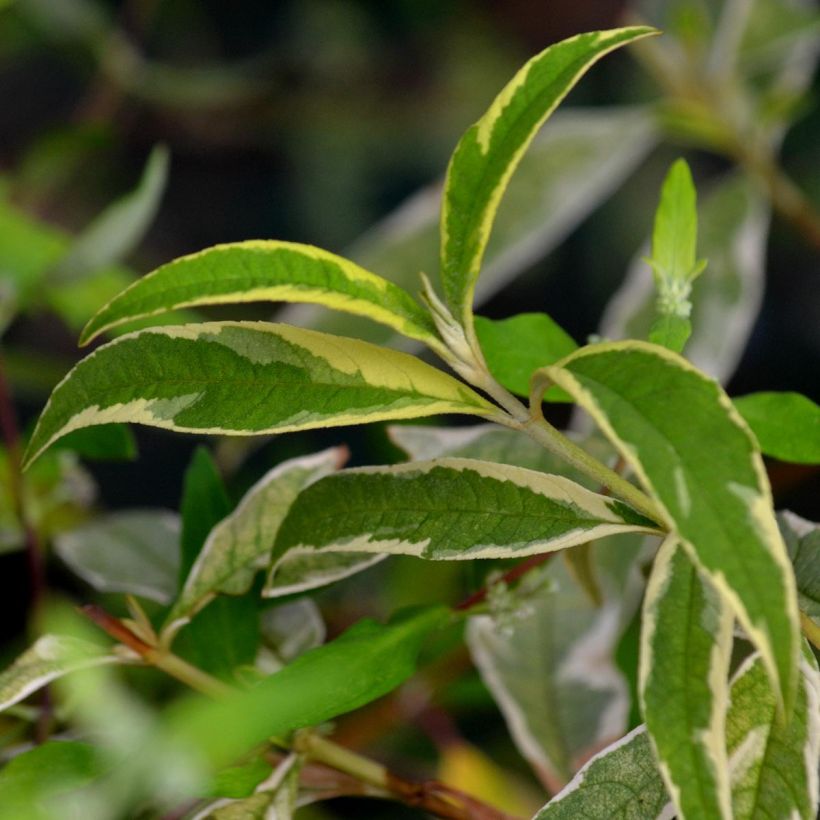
<point x="134" y="132"/>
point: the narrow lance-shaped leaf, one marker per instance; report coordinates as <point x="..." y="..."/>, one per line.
<point x="272" y="271"/>
<point x="695" y="456"/>
<point x="490" y="151"/>
<point x="450" y="509"/>
<point x="246" y="378"/>
<point x="239" y="545"/>
<point x="773" y="764"/>
<point x="674" y="263"/>
<point x="621" y="781"/>
<point x="802" y="539"/>
<point x="686" y="643"/>
<point x="50" y="657"/>
<point x="786" y="425"/>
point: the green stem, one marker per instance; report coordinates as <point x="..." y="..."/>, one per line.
<point x="810" y="629"/>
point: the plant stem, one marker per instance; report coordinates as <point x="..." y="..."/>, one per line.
<point x="810" y="629"/>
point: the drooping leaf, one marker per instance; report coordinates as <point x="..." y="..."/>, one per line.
<point x="734" y="224"/>
<point x="786" y="425"/>
<point x="773" y="764"/>
<point x="686" y="644"/>
<point x="449" y="509"/>
<point x="551" y="668"/>
<point x="802" y="539"/>
<point x="515" y="348"/>
<point x="489" y="152"/>
<point x="116" y="231"/>
<point x="246" y="378"/>
<point x="621" y="781"/>
<point x="694" y="455"/>
<point x="570" y="168"/>
<point x="50" y="657"/>
<point x="266" y="271"/>
<point x="108" y="442"/>
<point x="364" y="663"/>
<point x="132" y="551"/>
<point x="240" y="545"/>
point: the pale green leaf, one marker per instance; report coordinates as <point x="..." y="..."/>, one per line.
<point x="364" y="663"/>
<point x="686" y="644"/>
<point x="449" y="509"/>
<point x="786" y="425"/>
<point x="297" y="571"/>
<point x="621" y="781"/>
<point x="550" y="667"/>
<point x="489" y="152"/>
<point x="266" y="271"/>
<point x="773" y="764"/>
<point x="570" y="168"/>
<point x="515" y="348"/>
<point x="240" y="545"/>
<point x="246" y="378"/>
<point x="116" y="231"/>
<point x="287" y="631"/>
<point x="132" y="551"/>
<point x="802" y="539"/>
<point x="734" y="222"/>
<point x="50" y="657"/>
<point x="695" y="456"/>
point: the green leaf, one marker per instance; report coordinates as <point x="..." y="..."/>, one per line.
<point x="694" y="455"/>
<point x="240" y="780"/>
<point x="50" y="657"/>
<point x="449" y="509"/>
<point x="364" y="663"/>
<point x="570" y="168"/>
<point x="621" y="781"/>
<point x="134" y="551"/>
<point x="550" y="667"/>
<point x="266" y="271"/>
<point x="734" y="222"/>
<point x="246" y="378"/>
<point x="802" y="539"/>
<point x="240" y="545"/>
<point x="116" y="231"/>
<point x="297" y="572"/>
<point x="671" y="332"/>
<point x="773" y="764"/>
<point x="686" y="646"/>
<point x="489" y="152"/>
<point x="786" y="425"/>
<point x="108" y="442"/>
<point x="515" y="348"/>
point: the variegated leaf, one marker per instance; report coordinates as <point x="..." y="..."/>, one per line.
<point x="773" y="764"/>
<point x="489" y="152"/>
<point x="246" y="378"/>
<point x="697" y="459"/>
<point x="449" y="509"/>
<point x="621" y="781"/>
<point x="240" y="545"/>
<point x="686" y="647"/>
<point x="551" y="667"/>
<point x="269" y="271"/>
<point x="802" y="539"/>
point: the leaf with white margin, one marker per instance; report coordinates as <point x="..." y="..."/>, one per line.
<point x="490" y="150"/>
<point x="802" y="539"/>
<point x="450" y="509"/>
<point x="240" y="545"/>
<point x="570" y="168"/>
<point x="734" y="223"/>
<point x="271" y="271"/>
<point x="700" y="464"/>
<point x="49" y="658"/>
<point x="773" y="765"/>
<point x="550" y="668"/>
<point x="621" y="781"/>
<point x="132" y="551"/>
<point x="686" y="647"/>
<point x="246" y="378"/>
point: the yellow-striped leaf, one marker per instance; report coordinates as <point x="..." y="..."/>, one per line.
<point x="246" y="378"/>
<point x="266" y="271"/>
<point x="695" y="456"/>
<point x="489" y="152"/>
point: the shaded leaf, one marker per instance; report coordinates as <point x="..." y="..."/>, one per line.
<point x="802" y="539"/>
<point x="108" y="442"/>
